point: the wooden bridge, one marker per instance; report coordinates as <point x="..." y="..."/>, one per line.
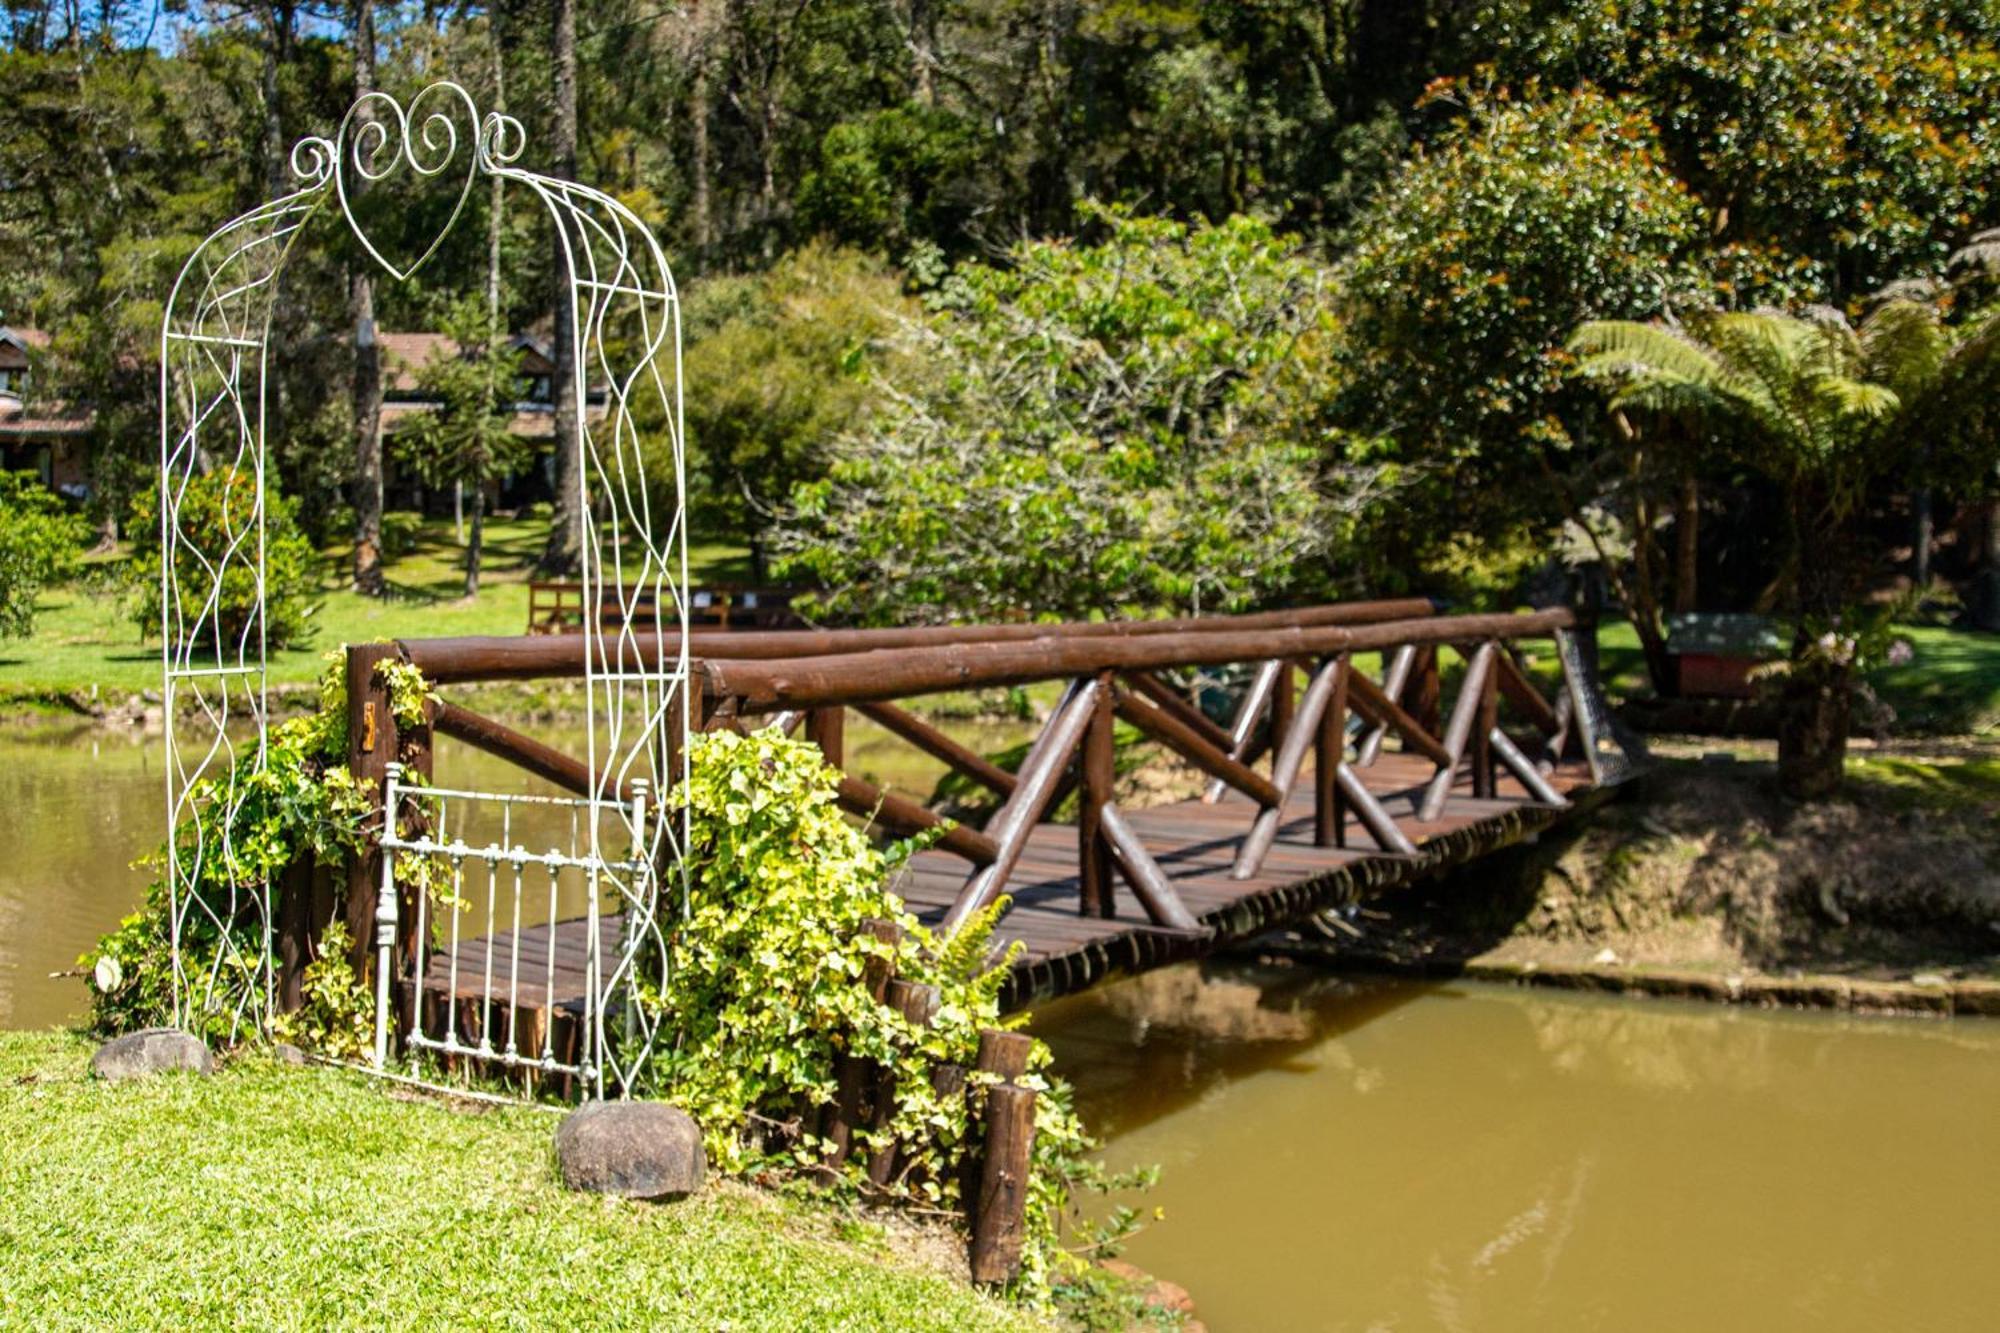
<point x="1329" y="785"/>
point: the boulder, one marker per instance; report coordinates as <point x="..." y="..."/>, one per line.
<point x="640" y="1150"/>
<point x="151" y="1051"/>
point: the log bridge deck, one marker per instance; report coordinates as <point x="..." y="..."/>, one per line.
<point x="1329" y="785"/>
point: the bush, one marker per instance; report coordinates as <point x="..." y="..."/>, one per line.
<point x="39" y="542"/>
<point x="218" y="530"/>
<point x="765" y="994"/>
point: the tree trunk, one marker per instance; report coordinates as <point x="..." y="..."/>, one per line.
<point x="923" y="50"/>
<point x="368" y="576"/>
<point x="1985" y="606"/>
<point x="1812" y="732"/>
<point x="475" y="547"/>
<point x="563" y="553"/>
<point x="704" y="226"/>
<point x="1687" y="538"/>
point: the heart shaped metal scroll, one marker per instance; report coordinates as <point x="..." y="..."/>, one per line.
<point x="376" y="139"/>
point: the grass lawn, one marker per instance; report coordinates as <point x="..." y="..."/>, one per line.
<point x="84" y="634"/>
<point x="273" y="1197"/>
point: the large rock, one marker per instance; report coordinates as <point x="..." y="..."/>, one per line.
<point x="151" y="1051"/>
<point x="641" y="1150"/>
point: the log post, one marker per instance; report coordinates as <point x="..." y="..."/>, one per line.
<point x="296" y="930"/>
<point x="371" y="748"/>
<point x="1097" y="761"/>
<point x="855" y="1076"/>
<point x="1000" y="1219"/>
<point x="1329" y="811"/>
<point x="827" y="728"/>
<point x="1284" y="705"/>
<point x="1487" y="723"/>
<point x="1424" y="693"/>
<point x="918" y="1004"/>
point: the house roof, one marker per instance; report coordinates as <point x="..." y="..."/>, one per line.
<point x="405" y="354"/>
<point x="16" y="343"/>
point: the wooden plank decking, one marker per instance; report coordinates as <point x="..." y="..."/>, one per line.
<point x="1195" y="844"/>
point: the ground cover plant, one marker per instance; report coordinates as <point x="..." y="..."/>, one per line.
<point x="276" y="1197"/>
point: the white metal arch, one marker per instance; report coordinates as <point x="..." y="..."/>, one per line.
<point x="214" y="368"/>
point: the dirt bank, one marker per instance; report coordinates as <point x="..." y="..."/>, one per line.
<point x="1702" y="881"/>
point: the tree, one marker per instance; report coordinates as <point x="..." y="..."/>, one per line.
<point x="1130" y="426"/>
<point x="468" y="438"/>
<point x="776" y="368"/>
<point x="1467" y="273"/>
<point x="367" y="358"/>
<point x="39" y="543"/>
<point x="564" y="549"/>
<point x="1825" y="410"/>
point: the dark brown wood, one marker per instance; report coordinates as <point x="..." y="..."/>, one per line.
<point x="826" y="727"/>
<point x="524" y="752"/>
<point x="1150" y="885"/>
<point x="1096" y="761"/>
<point x="1170" y="701"/>
<point x="1372" y="703"/>
<point x="965" y="762"/>
<point x="1521" y="693"/>
<point x="1285" y="768"/>
<point x="859" y="677"/>
<point x="1488" y="721"/>
<point x="999" y="1219"/>
<point x="1284" y="705"/>
<point x="499" y="657"/>
<point x="372" y="745"/>
<point x="1009" y="828"/>
<point x="906" y="818"/>
<point x="1465" y="711"/>
<point x="1425" y="692"/>
<point x="854" y="1077"/>
<point x="1004" y="1054"/>
<point x="296" y="932"/>
<point x="1167" y="729"/>
<point x="1329" y="815"/>
<point x="1246" y="742"/>
<point x="918" y="1004"/>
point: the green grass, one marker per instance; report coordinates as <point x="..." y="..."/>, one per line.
<point x="84" y="635"/>
<point x="1931" y="784"/>
<point x="272" y="1197"/>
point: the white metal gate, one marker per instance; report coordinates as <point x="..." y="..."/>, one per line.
<point x="215" y="346"/>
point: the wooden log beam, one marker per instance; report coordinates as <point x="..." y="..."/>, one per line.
<point x="1329" y="753"/>
<point x="1169" y="731"/>
<point x="1395" y="680"/>
<point x="1150" y="885"/>
<point x="1285" y="767"/>
<point x="1040" y="774"/>
<point x="1464" y="717"/>
<point x="1373" y="703"/>
<point x="860" y="677"/>
<point x="906" y="818"/>
<point x="524" y="752"/>
<point x="961" y="760"/>
<point x="1098" y="772"/>
<point x="1243" y="728"/>
<point x="506" y="657"/>
<point x="1000" y="1216"/>
<point x="1170" y="701"/>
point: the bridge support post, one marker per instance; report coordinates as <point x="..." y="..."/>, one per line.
<point x="1098" y="764"/>
<point x="1329" y="809"/>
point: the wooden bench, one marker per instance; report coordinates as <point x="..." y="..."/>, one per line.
<point x="558" y="608"/>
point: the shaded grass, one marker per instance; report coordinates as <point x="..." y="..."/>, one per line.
<point x="85" y="636"/>
<point x="272" y="1197"/>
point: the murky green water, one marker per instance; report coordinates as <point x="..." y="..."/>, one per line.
<point x="1464" y="1157"/>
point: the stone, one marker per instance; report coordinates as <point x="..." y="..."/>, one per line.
<point x="287" y="1054"/>
<point x="1156" y="1292"/>
<point x="638" y="1150"/>
<point x="151" y="1051"/>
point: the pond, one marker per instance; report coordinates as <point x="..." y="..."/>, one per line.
<point x="1391" y="1155"/>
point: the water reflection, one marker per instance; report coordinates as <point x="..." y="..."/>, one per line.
<point x="1389" y="1156"/>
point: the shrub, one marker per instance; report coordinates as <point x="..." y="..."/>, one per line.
<point x="218" y="531"/>
<point x="765" y="994"/>
<point x="39" y="541"/>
